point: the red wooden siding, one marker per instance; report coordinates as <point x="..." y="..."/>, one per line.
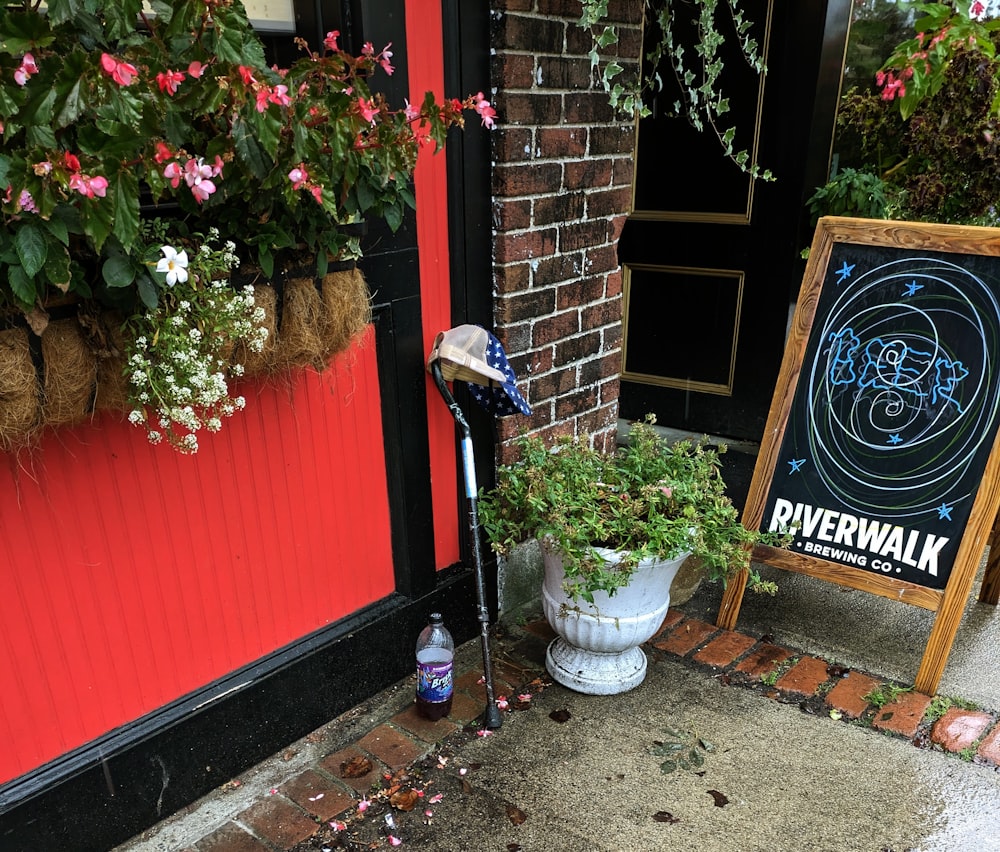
<point x="425" y="63"/>
<point x="131" y="575"/>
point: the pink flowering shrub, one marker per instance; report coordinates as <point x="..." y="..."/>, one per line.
<point x="103" y="120"/>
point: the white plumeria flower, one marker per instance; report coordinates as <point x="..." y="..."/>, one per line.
<point x="174" y="264"/>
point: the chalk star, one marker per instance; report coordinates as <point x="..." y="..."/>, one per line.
<point x="912" y="288"/>
<point x="845" y="272"/>
<point x="944" y="512"/>
<point x="796" y="465"/>
<point x="895" y="439"/>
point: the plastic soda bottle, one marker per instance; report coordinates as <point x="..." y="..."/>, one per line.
<point x="435" y="661"/>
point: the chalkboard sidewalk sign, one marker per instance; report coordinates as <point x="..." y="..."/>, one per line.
<point x="880" y="453"/>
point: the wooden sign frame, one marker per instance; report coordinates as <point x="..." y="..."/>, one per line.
<point x="884" y="241"/>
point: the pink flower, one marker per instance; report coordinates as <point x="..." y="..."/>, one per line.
<point x="384" y="57"/>
<point x="486" y="112"/>
<point x="25" y="69"/>
<point x="89" y="186"/>
<point x="368" y="49"/>
<point x="261" y="95"/>
<point x="977" y="10"/>
<point x="43" y="168"/>
<point x="173" y="173"/>
<point x="163" y="152"/>
<point x="368" y="110"/>
<point x="279" y="96"/>
<point x="317" y="194"/>
<point x="196" y="69"/>
<point x="123" y="73"/>
<point x="410" y="111"/>
<point x="666" y="490"/>
<point x="502" y="702"/>
<point x="298" y="176"/>
<point x="196" y="176"/>
<point x="169" y="81"/>
<point x="330" y="42"/>
<point x="71" y="161"/>
<point x="26" y="203"/>
<point x="247" y="75"/>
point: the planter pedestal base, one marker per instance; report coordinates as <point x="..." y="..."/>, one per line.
<point x="592" y="672"/>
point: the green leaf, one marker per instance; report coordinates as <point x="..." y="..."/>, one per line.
<point x="21" y="285"/>
<point x="668" y="766"/>
<point x="249" y="150"/>
<point x="59" y="268"/>
<point x="29" y="241"/>
<point x="118" y="271"/>
<point x="24" y="31"/>
<point x="147" y="290"/>
<point x="124" y="198"/>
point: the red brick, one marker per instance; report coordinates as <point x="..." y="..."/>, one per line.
<point x="432" y="732"/>
<point x="670" y="620"/>
<point x="278" y="821"/>
<point x="231" y="838"/>
<point x="958" y="729"/>
<point x="989" y="748"/>
<point x="724" y="649"/>
<point x="686" y="636"/>
<point x="392" y="747"/>
<point x="332" y="763"/>
<point x="804" y="677"/>
<point x="848" y="696"/>
<point x="317" y="794"/>
<point x="763" y="659"/>
<point x="902" y="716"/>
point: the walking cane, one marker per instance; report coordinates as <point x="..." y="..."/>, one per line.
<point x="472" y="354"/>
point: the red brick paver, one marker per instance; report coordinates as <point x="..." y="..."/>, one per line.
<point x="394" y="748"/>
<point x="805" y="676"/>
<point x="686" y="636"/>
<point x="316" y="794"/>
<point x="958" y="729"/>
<point x="989" y="748"/>
<point x="763" y="659"/>
<point x="902" y="716"/>
<point x="463" y="708"/>
<point x="332" y="763"/>
<point x="278" y="821"/>
<point x="725" y="648"/>
<point x="848" y="696"/>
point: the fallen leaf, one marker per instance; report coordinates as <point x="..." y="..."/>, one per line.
<point x="516" y="815"/>
<point x="836" y="714"/>
<point x="560" y="716"/>
<point x="665" y="816"/>
<point x="466" y="786"/>
<point x="404" y="800"/>
<point x="356" y="767"/>
<point x="513" y="847"/>
<point x="720" y="800"/>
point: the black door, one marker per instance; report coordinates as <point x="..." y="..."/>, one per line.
<point x="711" y="259"/>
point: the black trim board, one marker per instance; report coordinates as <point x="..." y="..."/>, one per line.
<point x="115" y="787"/>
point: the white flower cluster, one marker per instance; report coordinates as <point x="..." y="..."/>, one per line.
<point x="179" y="358"/>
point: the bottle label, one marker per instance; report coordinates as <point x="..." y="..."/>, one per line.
<point x="435" y="682"/>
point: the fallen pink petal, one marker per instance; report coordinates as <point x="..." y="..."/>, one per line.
<point x="437" y="797"/>
<point x="317" y="797"/>
<point x="394" y="841"/>
<point x="337" y="825"/>
<point x="363" y="806"/>
<point x="484" y="732"/>
<point x="525" y="696"/>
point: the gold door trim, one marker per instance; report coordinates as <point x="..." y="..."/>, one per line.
<point x="738" y="276"/>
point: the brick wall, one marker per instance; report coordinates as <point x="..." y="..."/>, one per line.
<point x="561" y="188"/>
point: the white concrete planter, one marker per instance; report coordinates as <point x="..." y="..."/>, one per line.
<point x="598" y="651"/>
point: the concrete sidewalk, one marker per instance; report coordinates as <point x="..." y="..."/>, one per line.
<point x="792" y="751"/>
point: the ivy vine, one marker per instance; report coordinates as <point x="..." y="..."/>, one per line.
<point x="701" y="101"/>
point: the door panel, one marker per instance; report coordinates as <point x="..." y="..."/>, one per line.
<point x="710" y="257"/>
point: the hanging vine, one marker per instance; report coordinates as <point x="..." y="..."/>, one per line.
<point x="700" y="100"/>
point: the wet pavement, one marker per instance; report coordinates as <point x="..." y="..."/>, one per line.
<point x="784" y="743"/>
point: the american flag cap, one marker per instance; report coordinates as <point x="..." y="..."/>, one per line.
<point x="471" y="354"/>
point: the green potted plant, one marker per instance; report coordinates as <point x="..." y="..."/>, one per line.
<point x="113" y="112"/>
<point x="614" y="529"/>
